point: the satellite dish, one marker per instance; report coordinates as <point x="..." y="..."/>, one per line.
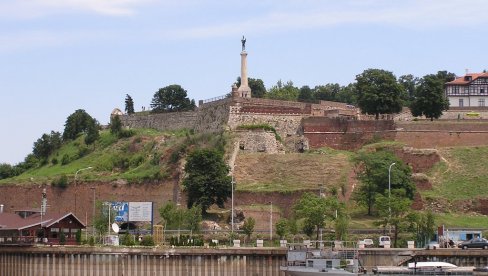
<point x="115" y="227"/>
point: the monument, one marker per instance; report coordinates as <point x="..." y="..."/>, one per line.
<point x="244" y="90"/>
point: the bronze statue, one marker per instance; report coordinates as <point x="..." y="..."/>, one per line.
<point x="243" y="40"/>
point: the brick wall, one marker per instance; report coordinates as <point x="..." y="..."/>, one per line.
<point x="340" y="133"/>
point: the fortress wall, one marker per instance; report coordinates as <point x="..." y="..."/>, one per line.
<point x="435" y="139"/>
<point x="213" y="117"/>
<point x="285" y="124"/>
<point x="340" y="133"/>
<point x="161" y="121"/>
<point x="455" y="125"/>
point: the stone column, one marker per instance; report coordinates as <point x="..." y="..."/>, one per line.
<point x="244" y="89"/>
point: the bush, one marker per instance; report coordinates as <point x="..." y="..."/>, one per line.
<point x="82" y="151"/>
<point x="136" y="160"/>
<point x="147" y="241"/>
<point x="66" y="159"/>
<point x="126" y="133"/>
<point x="54" y="161"/>
<point x="91" y="241"/>
<point x="61" y="182"/>
<point x="128" y="240"/>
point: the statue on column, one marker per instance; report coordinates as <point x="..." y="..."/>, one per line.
<point x="243" y="40"/>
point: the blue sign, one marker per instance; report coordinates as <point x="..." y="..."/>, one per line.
<point x="121" y="211"/>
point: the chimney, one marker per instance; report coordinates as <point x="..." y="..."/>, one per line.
<point x="1" y="208"/>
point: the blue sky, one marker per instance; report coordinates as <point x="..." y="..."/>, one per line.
<point x="57" y="56"/>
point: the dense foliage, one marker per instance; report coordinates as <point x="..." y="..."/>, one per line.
<point x="429" y="99"/>
<point x="374" y="174"/>
<point x="207" y="181"/>
<point x="315" y="210"/>
<point x="378" y="92"/>
<point x="129" y="104"/>
<point x="81" y="122"/>
<point x="171" y="98"/>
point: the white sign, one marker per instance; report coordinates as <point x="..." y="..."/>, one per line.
<point x="140" y="211"/>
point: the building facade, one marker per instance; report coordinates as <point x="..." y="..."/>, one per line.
<point x="468" y="92"/>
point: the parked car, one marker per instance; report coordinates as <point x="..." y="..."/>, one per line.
<point x="474" y="243"/>
<point x="384" y="240"/>
<point x="368" y="243"/>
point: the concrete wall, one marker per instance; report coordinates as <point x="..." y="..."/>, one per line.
<point x="90" y="261"/>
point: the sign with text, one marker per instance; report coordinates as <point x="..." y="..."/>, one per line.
<point x="140" y="211"/>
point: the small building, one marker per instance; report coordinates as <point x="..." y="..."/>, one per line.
<point x="469" y="91"/>
<point x="29" y="226"/>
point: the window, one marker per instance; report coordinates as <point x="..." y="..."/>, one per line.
<point x="461" y="102"/>
<point x="482" y="91"/>
<point x="481" y="102"/>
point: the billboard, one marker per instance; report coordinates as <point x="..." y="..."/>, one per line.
<point x="140" y="211"/>
<point x="132" y="211"/>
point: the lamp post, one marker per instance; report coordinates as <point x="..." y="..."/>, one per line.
<point x="76" y="183"/>
<point x="389" y="194"/>
<point x="271" y="221"/>
<point x="232" y="205"/>
<point x="93" y="217"/>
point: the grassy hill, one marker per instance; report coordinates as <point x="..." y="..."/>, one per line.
<point x="458" y="180"/>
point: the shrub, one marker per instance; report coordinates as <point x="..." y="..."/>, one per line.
<point x="126" y="133"/>
<point x="91" y="241"/>
<point x="54" y="161"/>
<point x="136" y="160"/>
<point x="66" y="159"/>
<point x="82" y="151"/>
<point x="61" y="182"/>
<point x="128" y="240"/>
<point x="147" y="241"/>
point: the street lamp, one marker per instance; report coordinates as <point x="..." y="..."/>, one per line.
<point x="232" y="199"/>
<point x="93" y="218"/>
<point x="389" y="193"/>
<point x="76" y="183"/>
<point x="271" y="221"/>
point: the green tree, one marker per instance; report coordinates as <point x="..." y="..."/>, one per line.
<point x="281" y="227"/>
<point x="170" y="99"/>
<point x="374" y="177"/>
<point x="92" y="133"/>
<point x="172" y="215"/>
<point x="378" y="92"/>
<point x="328" y="92"/>
<point x="423" y="226"/>
<point x="429" y="99"/>
<point x="348" y="94"/>
<point x="193" y="217"/>
<point x="341" y="226"/>
<point x="445" y="76"/>
<point x="305" y="94"/>
<point x="46" y="145"/>
<point x="315" y="210"/>
<point x="286" y="92"/>
<point x="115" y="125"/>
<point x="409" y="83"/>
<point x="80" y="122"/>
<point x="258" y="90"/>
<point x="7" y="171"/>
<point x="207" y="181"/>
<point x="393" y="211"/>
<point x="129" y="104"/>
<point x="248" y="227"/>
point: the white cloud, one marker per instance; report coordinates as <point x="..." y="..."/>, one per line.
<point x="299" y="15"/>
<point x="37" y="8"/>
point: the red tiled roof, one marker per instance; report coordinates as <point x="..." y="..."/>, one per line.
<point x="15" y="222"/>
<point x="461" y="80"/>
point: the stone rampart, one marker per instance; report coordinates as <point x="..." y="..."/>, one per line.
<point x="161" y="121"/>
<point x="258" y="141"/>
<point x="285" y="124"/>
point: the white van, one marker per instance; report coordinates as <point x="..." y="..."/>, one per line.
<point x="384" y="240"/>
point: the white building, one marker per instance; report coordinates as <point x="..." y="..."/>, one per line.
<point x="469" y="91"/>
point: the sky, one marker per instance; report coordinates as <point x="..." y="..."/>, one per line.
<point x="57" y="56"/>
